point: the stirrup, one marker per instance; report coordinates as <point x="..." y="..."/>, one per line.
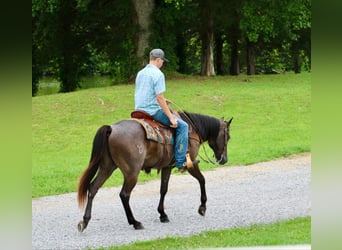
<point x="189" y="162"/>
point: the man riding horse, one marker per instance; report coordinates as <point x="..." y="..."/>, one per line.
<point x="149" y="97"/>
<point x="125" y="145"/>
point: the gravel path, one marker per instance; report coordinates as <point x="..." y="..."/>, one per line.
<point x="237" y="196"/>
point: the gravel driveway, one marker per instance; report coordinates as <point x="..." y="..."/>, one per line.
<point x="237" y="196"/>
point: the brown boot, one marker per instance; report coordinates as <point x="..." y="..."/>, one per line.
<point x="188" y="164"/>
<point x="185" y="167"/>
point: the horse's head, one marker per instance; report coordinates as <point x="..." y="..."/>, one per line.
<point x="220" y="143"/>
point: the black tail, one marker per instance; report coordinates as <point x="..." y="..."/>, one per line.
<point x="100" y="143"/>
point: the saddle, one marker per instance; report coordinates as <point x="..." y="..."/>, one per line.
<point x="155" y="131"/>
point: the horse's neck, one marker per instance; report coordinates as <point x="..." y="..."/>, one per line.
<point x="205" y="126"/>
<point x="202" y="135"/>
<point x="193" y="134"/>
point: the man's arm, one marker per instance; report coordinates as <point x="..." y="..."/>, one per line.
<point x="163" y="104"/>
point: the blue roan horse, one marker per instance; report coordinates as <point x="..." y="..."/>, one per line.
<point x="124" y="145"/>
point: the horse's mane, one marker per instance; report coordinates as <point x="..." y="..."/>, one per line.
<point x="204" y="125"/>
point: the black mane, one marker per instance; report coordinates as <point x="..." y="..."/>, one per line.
<point x="205" y="126"/>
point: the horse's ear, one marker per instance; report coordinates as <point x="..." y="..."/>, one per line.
<point x="228" y="123"/>
<point x="222" y="118"/>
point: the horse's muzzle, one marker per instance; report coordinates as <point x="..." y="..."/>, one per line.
<point x="222" y="160"/>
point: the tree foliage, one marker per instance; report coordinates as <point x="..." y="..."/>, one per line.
<point x="75" y="38"/>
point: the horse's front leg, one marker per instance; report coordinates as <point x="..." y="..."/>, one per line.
<point x="194" y="145"/>
<point x="165" y="176"/>
<point x="195" y="172"/>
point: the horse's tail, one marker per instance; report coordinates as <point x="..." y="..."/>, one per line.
<point x="100" y="144"/>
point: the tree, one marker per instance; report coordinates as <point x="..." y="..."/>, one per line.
<point x="69" y="46"/>
<point x="55" y="42"/>
<point x="66" y="34"/>
<point x="170" y="31"/>
<point x="72" y="38"/>
<point x="234" y="38"/>
<point x="298" y="32"/>
<point x="144" y="10"/>
<point x="207" y="37"/>
<point x="110" y="28"/>
<point x="44" y="26"/>
<point x="256" y="24"/>
<point x="273" y="22"/>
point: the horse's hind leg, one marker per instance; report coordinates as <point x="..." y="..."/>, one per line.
<point x="100" y="178"/>
<point x="165" y="176"/>
<point x="130" y="180"/>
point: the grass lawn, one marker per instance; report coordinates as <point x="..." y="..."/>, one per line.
<point x="272" y="118"/>
<point x="291" y="232"/>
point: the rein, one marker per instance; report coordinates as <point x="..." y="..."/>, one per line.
<point x="208" y="158"/>
<point x="200" y="140"/>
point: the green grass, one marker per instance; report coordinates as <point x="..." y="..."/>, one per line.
<point x="272" y="118"/>
<point x="291" y="232"/>
<point x="49" y="86"/>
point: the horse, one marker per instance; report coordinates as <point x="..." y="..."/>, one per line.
<point x="124" y="145"/>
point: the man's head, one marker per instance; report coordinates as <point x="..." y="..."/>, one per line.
<point x="157" y="57"/>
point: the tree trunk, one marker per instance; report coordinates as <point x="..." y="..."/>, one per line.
<point x="68" y="63"/>
<point x="234" y="53"/>
<point x="295" y="51"/>
<point x="219" y="54"/>
<point x="234" y="36"/>
<point x="235" y="61"/>
<point x="297" y="64"/>
<point x="181" y="53"/>
<point x="207" y="65"/>
<point x="207" y="38"/>
<point x="250" y="58"/>
<point x="143" y="10"/>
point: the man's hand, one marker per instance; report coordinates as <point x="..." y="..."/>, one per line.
<point x="173" y="122"/>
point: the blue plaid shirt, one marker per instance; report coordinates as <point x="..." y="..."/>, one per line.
<point x="150" y="81"/>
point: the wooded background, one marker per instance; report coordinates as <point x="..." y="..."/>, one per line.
<point x="76" y="38"/>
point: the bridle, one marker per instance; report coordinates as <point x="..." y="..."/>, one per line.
<point x="208" y="160"/>
<point x="225" y="143"/>
<point x="200" y="140"/>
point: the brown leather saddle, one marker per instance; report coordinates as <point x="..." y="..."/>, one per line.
<point x="155" y="131"/>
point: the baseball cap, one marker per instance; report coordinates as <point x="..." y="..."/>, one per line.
<point x="158" y="53"/>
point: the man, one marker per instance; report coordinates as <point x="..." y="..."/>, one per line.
<point x="149" y="97"/>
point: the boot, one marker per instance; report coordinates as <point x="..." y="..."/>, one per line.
<point x="188" y="164"/>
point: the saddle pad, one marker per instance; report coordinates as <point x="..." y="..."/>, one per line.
<point x="156" y="133"/>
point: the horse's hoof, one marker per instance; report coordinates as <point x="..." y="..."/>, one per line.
<point x="81" y="226"/>
<point x="164" y="219"/>
<point x="201" y="210"/>
<point x="138" y="226"/>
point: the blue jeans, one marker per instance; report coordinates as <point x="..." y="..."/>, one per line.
<point x="181" y="140"/>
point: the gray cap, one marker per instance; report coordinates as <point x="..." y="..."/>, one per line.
<point x="158" y="53"/>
